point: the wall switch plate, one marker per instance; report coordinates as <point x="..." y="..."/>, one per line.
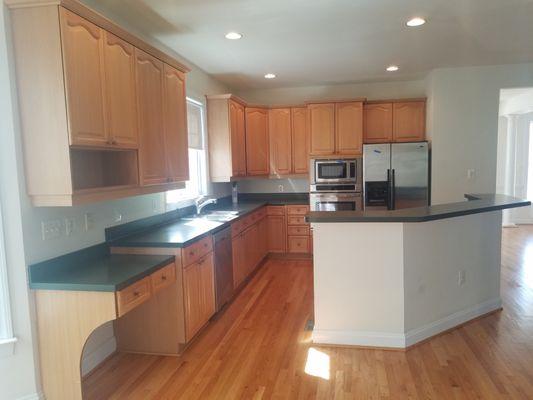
<point x="470" y="173"/>
<point x="89" y="221"/>
<point x="461" y="278"/>
<point x="51" y="229"/>
<point x="70" y="226"/>
<point x="280" y="188"/>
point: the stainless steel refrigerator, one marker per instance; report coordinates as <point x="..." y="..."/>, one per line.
<point x="396" y="175"/>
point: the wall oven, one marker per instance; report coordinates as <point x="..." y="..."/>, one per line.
<point x="336" y="201"/>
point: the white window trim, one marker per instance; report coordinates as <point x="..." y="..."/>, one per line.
<point x="7" y="340"/>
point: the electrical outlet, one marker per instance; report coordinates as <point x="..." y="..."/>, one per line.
<point x="51" y="229"/>
<point x="70" y="226"/>
<point x="117" y="217"/>
<point x="155" y="205"/>
<point x="89" y="221"/>
<point x="470" y="174"/>
<point x="280" y="188"/>
<point x="461" y="278"/>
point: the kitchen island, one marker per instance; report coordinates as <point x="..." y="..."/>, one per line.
<point x="394" y="278"/>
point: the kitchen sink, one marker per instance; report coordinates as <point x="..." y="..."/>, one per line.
<point x="217" y="216"/>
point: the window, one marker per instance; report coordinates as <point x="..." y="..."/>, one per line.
<point x="196" y="185"/>
<point x="6" y="329"/>
<point x="530" y="164"/>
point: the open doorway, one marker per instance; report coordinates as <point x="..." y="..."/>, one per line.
<point x="515" y="151"/>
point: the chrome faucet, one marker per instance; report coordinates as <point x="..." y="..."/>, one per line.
<point x="201" y="202"/>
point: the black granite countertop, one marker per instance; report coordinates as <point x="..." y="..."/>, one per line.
<point x="475" y="204"/>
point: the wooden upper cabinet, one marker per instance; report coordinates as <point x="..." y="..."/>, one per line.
<point x="322" y="128"/>
<point x="257" y="152"/>
<point x="279" y="128"/>
<point x="238" y="138"/>
<point x="409" y="121"/>
<point x="82" y="44"/>
<point x="377" y="123"/>
<point x="121" y="108"/>
<point x="349" y="128"/>
<point x="149" y="78"/>
<point x="175" y="124"/>
<point x="300" y="140"/>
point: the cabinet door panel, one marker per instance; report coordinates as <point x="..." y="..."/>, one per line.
<point x="279" y="128"/>
<point x="121" y="109"/>
<point x="300" y="141"/>
<point x="257" y="152"/>
<point x="378" y="123"/>
<point x="409" y="121"/>
<point x="149" y="78"/>
<point x="175" y="124"/>
<point x="239" y="262"/>
<point x="277" y="234"/>
<point x="84" y="75"/>
<point x="322" y="128"/>
<point x="238" y="138"/>
<point x="192" y="300"/>
<point x="207" y="288"/>
<point x="349" y="128"/>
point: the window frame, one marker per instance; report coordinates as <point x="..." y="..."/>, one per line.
<point x="7" y="339"/>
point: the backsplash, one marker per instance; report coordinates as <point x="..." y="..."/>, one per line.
<point x="296" y="185"/>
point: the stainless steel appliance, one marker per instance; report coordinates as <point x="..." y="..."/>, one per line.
<point x="396" y="175"/>
<point x="223" y="267"/>
<point x="336" y="184"/>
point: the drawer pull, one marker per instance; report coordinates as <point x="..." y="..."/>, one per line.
<point x="136" y="294"/>
<point x="163" y="278"/>
<point x="191" y="253"/>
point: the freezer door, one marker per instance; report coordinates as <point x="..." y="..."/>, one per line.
<point x="376" y="162"/>
<point x="410" y="175"/>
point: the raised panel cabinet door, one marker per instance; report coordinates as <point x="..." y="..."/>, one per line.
<point x="322" y="128"/>
<point x="83" y="64"/>
<point x="349" y="128"/>
<point x="277" y="234"/>
<point x="409" y="121"/>
<point x="257" y="152"/>
<point x="192" y="300"/>
<point x="207" y="287"/>
<point x="300" y="140"/>
<point x="239" y="262"/>
<point x="121" y="108"/>
<point x="238" y="138"/>
<point x="149" y="79"/>
<point x="377" y="123"/>
<point x="279" y="132"/>
<point x="175" y="124"/>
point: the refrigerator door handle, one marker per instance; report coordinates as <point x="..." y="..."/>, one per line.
<point x="388" y="198"/>
<point x="393" y="189"/>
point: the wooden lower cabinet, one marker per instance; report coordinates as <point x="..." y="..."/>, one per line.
<point x="277" y="233"/>
<point x="298" y="231"/>
<point x="239" y="259"/>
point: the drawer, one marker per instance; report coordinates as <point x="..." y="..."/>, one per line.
<point x="237" y="227"/>
<point x="298" y="230"/>
<point x="275" y="210"/>
<point x="163" y="277"/>
<point x="297" y="210"/>
<point x="298" y="244"/>
<point x="196" y="250"/>
<point x="133" y="296"/>
<point x="296" y="220"/>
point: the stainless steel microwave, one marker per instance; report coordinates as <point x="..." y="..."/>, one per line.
<point x="345" y="171"/>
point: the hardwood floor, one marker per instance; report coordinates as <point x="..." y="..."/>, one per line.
<point x="259" y="349"/>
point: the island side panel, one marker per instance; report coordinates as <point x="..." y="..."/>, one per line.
<point x="358" y="284"/>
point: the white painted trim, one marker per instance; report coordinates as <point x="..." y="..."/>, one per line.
<point x="6" y="326"/>
<point x="359" y="338"/>
<point x="33" y="396"/>
<point x="7" y="347"/>
<point x="91" y="360"/>
<point x="453" y="320"/>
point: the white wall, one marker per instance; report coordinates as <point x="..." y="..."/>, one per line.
<point x="291" y="185"/>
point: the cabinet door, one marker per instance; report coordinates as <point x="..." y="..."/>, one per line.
<point x="257" y="158"/>
<point x="192" y="300"/>
<point x="175" y="124"/>
<point x="322" y="128"/>
<point x="121" y="110"/>
<point x="277" y="234"/>
<point x="409" y="121"/>
<point x="377" y="123"/>
<point x="206" y="276"/>
<point x="83" y="62"/>
<point x="239" y="262"/>
<point x="149" y="78"/>
<point x="251" y="248"/>
<point x="300" y="141"/>
<point x="238" y="138"/>
<point x="279" y="131"/>
<point x="263" y="238"/>
<point x="349" y="128"/>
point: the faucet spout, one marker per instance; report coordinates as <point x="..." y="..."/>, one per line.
<point x="202" y="202"/>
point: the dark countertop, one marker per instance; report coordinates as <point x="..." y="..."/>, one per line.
<point x="109" y="273"/>
<point x="475" y="204"/>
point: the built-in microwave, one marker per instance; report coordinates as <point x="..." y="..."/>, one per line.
<point x="345" y="171"/>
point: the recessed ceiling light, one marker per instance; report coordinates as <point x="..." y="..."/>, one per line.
<point x="417" y="21"/>
<point x="392" y="68"/>
<point x="270" y="76"/>
<point x="233" y="35"/>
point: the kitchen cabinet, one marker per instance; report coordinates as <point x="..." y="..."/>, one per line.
<point x="257" y="146"/>
<point x="298" y="238"/>
<point x="300" y="140"/>
<point x="322" y="128"/>
<point x="276" y="229"/>
<point x="378" y="123"/>
<point x="280" y="130"/>
<point x="239" y="259"/>
<point x="409" y="121"/>
<point x="349" y="128"/>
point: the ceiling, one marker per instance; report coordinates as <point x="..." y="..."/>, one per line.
<point x="313" y="42"/>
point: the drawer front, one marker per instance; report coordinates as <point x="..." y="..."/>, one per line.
<point x="133" y="296"/>
<point x="237" y="227"/>
<point x="297" y="210"/>
<point x="163" y="277"/>
<point x="196" y="250"/>
<point x="298" y="231"/>
<point x="296" y="220"/>
<point x="298" y="244"/>
<point x="275" y="210"/>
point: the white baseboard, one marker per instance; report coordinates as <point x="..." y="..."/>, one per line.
<point x="94" y="358"/>
<point x="400" y="340"/>
<point x="33" y="396"/>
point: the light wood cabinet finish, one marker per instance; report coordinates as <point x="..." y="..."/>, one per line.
<point x="322" y="128"/>
<point x="239" y="259"/>
<point x="300" y="140"/>
<point x="238" y="138"/>
<point x="279" y="128"/>
<point x="349" y="128"/>
<point x="377" y="123"/>
<point x="195" y="251"/>
<point x="175" y="124"/>
<point x="277" y="233"/>
<point x="257" y="149"/>
<point x="163" y="277"/>
<point x="133" y="296"/>
<point x="298" y="244"/>
<point x="297" y="209"/>
<point x="409" y="121"/>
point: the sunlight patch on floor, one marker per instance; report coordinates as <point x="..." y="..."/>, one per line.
<point x="317" y="364"/>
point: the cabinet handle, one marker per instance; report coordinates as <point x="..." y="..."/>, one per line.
<point x="136" y="294"/>
<point x="113" y="141"/>
<point x="163" y="278"/>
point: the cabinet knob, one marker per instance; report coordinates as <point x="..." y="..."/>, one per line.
<point x="136" y="294"/>
<point x="163" y="278"/>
